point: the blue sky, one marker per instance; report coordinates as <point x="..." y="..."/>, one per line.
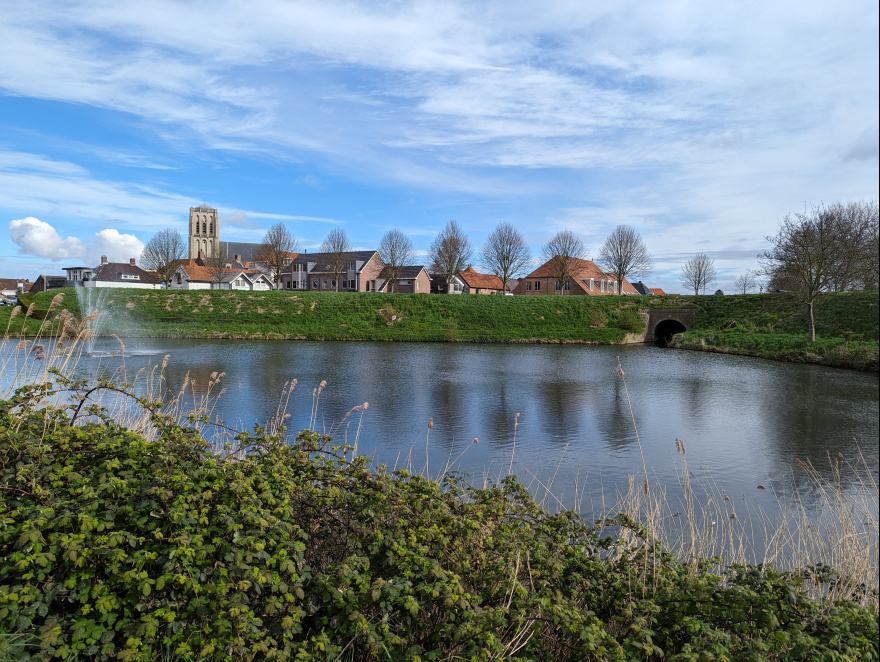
<point x="700" y="124"/>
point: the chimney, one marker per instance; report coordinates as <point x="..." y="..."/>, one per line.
<point x="103" y="259"/>
<point x="238" y="258"/>
<point x="131" y="261"/>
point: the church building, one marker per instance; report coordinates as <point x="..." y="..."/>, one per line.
<point x="204" y="238"/>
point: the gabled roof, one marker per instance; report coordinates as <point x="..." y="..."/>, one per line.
<point x="641" y="288"/>
<point x="200" y="273"/>
<point x="475" y="280"/>
<point x="322" y="260"/>
<point x="582" y="270"/>
<point x="13" y="283"/>
<point x="657" y="291"/>
<point x="248" y="251"/>
<point x="113" y="272"/>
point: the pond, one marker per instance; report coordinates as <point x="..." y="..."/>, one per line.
<point x="554" y="415"/>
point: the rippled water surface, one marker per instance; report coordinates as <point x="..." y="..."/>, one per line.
<point x="743" y="421"/>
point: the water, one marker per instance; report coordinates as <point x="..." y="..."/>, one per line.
<point x="92" y="299"/>
<point x="744" y="422"/>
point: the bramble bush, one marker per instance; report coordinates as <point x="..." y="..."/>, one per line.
<point x="115" y="547"/>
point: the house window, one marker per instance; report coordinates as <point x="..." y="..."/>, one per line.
<point x="405" y="283"/>
<point x="351" y="266"/>
<point x="528" y="286"/>
<point x="558" y="286"/>
<point x="568" y="286"/>
<point x="537" y="286"/>
<point x="314" y="285"/>
<point x="131" y="277"/>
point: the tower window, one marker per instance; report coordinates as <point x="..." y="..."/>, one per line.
<point x="204" y="227"/>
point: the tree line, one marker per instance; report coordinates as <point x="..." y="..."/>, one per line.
<point x="505" y="253"/>
<point x="825" y="248"/>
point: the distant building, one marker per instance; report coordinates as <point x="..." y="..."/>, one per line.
<point x="45" y="283"/>
<point x="233" y="275"/>
<point x="641" y="288"/>
<point x="361" y="272"/>
<point x="10" y="287"/>
<point x="204" y="238"/>
<point x="111" y="274"/>
<point x="587" y="279"/>
<point x="477" y="283"/>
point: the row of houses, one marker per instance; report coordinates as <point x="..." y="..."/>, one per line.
<point x="361" y="271"/>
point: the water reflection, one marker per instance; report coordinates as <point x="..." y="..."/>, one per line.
<point x="744" y="421"/>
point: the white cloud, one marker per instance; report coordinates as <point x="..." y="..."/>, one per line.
<point x="40" y="239"/>
<point x="37" y="238"/>
<point x="118" y="247"/>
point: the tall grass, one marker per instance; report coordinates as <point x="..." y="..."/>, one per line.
<point x="825" y="526"/>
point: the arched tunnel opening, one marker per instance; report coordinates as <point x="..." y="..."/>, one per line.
<point x="664" y="331"/>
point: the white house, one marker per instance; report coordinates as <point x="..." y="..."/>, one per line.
<point x="112" y="274"/>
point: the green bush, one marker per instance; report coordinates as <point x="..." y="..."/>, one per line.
<point x="113" y="547"/>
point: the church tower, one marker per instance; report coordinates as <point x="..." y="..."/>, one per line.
<point x="204" y="232"/>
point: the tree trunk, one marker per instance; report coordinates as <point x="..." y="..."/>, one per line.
<point x="812" y="333"/>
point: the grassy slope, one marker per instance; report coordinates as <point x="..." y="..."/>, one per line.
<point x="775" y="326"/>
<point x="769" y="325"/>
<point x="364" y="316"/>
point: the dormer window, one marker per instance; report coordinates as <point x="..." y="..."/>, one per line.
<point x="131" y="276"/>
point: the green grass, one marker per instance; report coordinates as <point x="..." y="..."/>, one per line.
<point x="767" y="325"/>
<point x="774" y="326"/>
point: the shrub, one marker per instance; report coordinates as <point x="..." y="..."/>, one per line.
<point x="117" y="547"/>
<point x="630" y="320"/>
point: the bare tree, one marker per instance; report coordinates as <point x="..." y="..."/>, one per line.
<point x="338" y="253"/>
<point x="562" y="253"/>
<point x="808" y="250"/>
<point x="396" y="251"/>
<point x="450" y="251"/>
<point x="856" y="223"/>
<point x="745" y="283"/>
<point x="505" y="253"/>
<point x="625" y="254"/>
<point x="871" y="247"/>
<point x="276" y="250"/>
<point x="698" y="273"/>
<point x="163" y="253"/>
<point x="215" y="265"/>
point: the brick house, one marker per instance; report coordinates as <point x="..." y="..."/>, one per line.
<point x="477" y="283"/>
<point x="411" y="280"/>
<point x="587" y="279"/>
<point x="312" y="272"/>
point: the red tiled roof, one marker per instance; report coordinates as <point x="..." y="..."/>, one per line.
<point x="657" y="290"/>
<point x="583" y="270"/>
<point x="482" y="281"/>
<point x="197" y="272"/>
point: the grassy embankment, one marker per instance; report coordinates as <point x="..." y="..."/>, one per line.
<point x="774" y="326"/>
<point x="125" y="535"/>
<point x="769" y="325"/>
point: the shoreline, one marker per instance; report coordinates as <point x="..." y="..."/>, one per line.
<point x="767" y="326"/>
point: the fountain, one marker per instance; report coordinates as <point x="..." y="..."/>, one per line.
<point x="91" y="306"/>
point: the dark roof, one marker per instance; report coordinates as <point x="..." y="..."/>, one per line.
<point x="51" y="283"/>
<point x="248" y="251"/>
<point x="203" y="208"/>
<point x="112" y="273"/>
<point x="641" y="288"/>
<point x="412" y="272"/>
<point x="322" y="260"/>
